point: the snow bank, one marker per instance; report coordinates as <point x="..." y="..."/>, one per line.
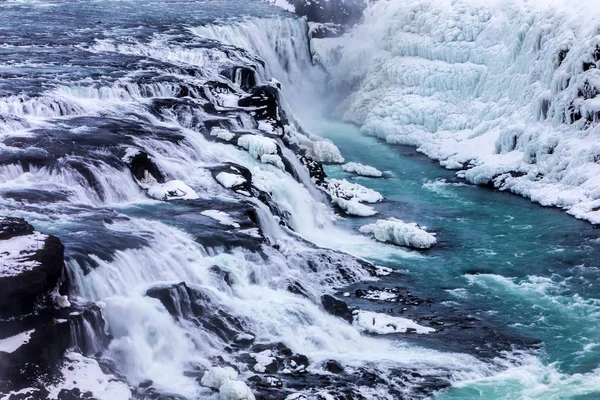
<point x="506" y="91"/>
<point x="10" y="344"/>
<point x="222" y="217"/>
<point x="262" y="148"/>
<point x="326" y="152"/>
<point x="381" y="324"/>
<point x="173" y="190"/>
<point x="401" y="233"/>
<point x="225" y="380"/>
<point x="362" y="170"/>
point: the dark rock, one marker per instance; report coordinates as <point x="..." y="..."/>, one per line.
<point x="141" y="165"/>
<point x="333" y="366"/>
<point x="193" y="304"/>
<point x="336" y="307"/>
<point x="22" y="289"/>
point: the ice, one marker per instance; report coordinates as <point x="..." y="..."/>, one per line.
<point x="286" y="5"/>
<point x="327" y="152"/>
<point x="222" y="217"/>
<point x="363" y="170"/>
<point x="265" y="149"/>
<point x="382" y="324"/>
<point x="130" y="153"/>
<point x="235" y="390"/>
<point x="263" y="359"/>
<point x="10" y="344"/>
<point x="217" y="376"/>
<point x="16" y="251"/>
<point x="504" y="90"/>
<point x="229" y="180"/>
<point x="341" y="188"/>
<point x="354" y="207"/>
<point x="173" y="190"/>
<point x="398" y="232"/>
<point x="222" y="134"/>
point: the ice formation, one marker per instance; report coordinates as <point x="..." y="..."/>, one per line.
<point x="222" y="217"/>
<point x="362" y="170"/>
<point x="173" y="190"/>
<point x="398" y="232"/>
<point x="504" y="91"/>
<point x="263" y="148"/>
<point x="229" y="180"/>
<point x="350" y="196"/>
<point x="327" y="152"/>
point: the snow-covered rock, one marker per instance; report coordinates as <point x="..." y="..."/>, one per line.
<point x="354" y="207"/>
<point x="341" y="188"/>
<point x="12" y="343"/>
<point x="230" y="180"/>
<point x="235" y="390"/>
<point x="382" y="324"/>
<point x="400" y="233"/>
<point x="173" y="190"/>
<point x="222" y="134"/>
<point x="217" y="376"/>
<point x="222" y="217"/>
<point x="326" y="152"/>
<point x="362" y="170"/>
<point x="263" y="148"/>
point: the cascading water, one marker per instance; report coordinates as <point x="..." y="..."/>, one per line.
<point x="159" y="143"/>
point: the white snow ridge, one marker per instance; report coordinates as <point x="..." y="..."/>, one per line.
<point x="398" y="232"/>
<point x="362" y="170"/>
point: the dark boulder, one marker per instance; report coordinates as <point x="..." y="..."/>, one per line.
<point x="31" y="266"/>
<point x="336" y="307"/>
<point x="142" y="166"/>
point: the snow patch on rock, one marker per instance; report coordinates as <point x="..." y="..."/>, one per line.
<point x="401" y="233"/>
<point x="262" y="148"/>
<point x="173" y="190"/>
<point x="12" y="343"/>
<point x="381" y="324"/>
<point x="222" y="217"/>
<point x="362" y="170"/>
<point x="16" y="252"/>
<point x="230" y="180"/>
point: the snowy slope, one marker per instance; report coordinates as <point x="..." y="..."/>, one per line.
<point x="503" y="91"/>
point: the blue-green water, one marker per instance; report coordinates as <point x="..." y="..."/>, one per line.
<point x="524" y="269"/>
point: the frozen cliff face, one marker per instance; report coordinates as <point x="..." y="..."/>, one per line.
<point x="505" y="92"/>
<point x="335" y="11"/>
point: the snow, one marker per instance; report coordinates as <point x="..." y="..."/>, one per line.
<point x="398" y="232"/>
<point x="173" y="190"/>
<point x="235" y="390"/>
<point x="225" y="380"/>
<point x="362" y="170"/>
<point x="350" y="196"/>
<point x="130" y="153"/>
<point x="382" y="324"/>
<point x="222" y="217"/>
<point x="222" y="134"/>
<point x="15" y="253"/>
<point x="10" y="344"/>
<point x="354" y="207"/>
<point x="326" y="152"/>
<point x="217" y="376"/>
<point x="263" y="359"/>
<point x="85" y="374"/>
<point x="262" y="148"/>
<point x="483" y="87"/>
<point x="229" y="180"/>
<point x="341" y="188"/>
